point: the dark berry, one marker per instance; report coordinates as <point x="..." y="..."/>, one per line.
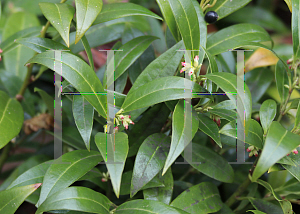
<point x="211" y="17"/>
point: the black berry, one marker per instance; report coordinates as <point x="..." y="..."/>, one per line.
<point x="211" y="17"/>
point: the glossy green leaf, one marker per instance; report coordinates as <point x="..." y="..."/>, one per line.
<point x="258" y="16"/>
<point x="79" y="74"/>
<point x="88" y="50"/>
<point x="226" y="7"/>
<point x="131" y="51"/>
<point x="226" y="104"/>
<point x="156" y="30"/>
<point x="228" y="83"/>
<point x="60" y="17"/>
<point x="115" y="164"/>
<point x="199" y="199"/>
<point x="294" y="170"/>
<point x="209" y="127"/>
<point x="32" y="176"/>
<point x="14" y="60"/>
<point x="49" y="101"/>
<point x="235" y="36"/>
<point x="83" y="113"/>
<point x="295" y="27"/>
<point x="11" y="199"/>
<point x="86" y="13"/>
<point x="76" y="198"/>
<point x="9" y="43"/>
<point x="267" y="114"/>
<point x="224" y="113"/>
<point x="40" y="45"/>
<point x="66" y="170"/>
<point x="118" y="10"/>
<point x="149" y="160"/>
<point x="211" y="164"/>
<point x="159" y="90"/>
<point x="297" y="119"/>
<point x="11" y="118"/>
<point x="153" y="121"/>
<point x="163" y="66"/>
<point x="279" y="142"/>
<point x="255" y="132"/>
<point x="281" y="80"/>
<point x="213" y="68"/>
<point x="256" y="212"/>
<point x="169" y="17"/>
<point x="265" y="206"/>
<point x="162" y="194"/>
<point x="147" y="207"/>
<point x="180" y="125"/>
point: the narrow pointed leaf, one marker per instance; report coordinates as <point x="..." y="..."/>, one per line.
<point x="180" y="125"/>
<point x="86" y="13"/>
<point x="116" y="145"/>
<point x="159" y="90"/>
<point x="11" y="199"/>
<point x="209" y="127"/>
<point x="235" y="36"/>
<point x="88" y="51"/>
<point x="255" y="133"/>
<point x="118" y="10"/>
<point x="228" y="83"/>
<point x="281" y="78"/>
<point x="297" y="119"/>
<point x="83" y="113"/>
<point x="211" y="164"/>
<point x="279" y="142"/>
<point x="60" y="17"/>
<point x="296" y="27"/>
<point x="267" y="114"/>
<point x="49" y="101"/>
<point x="229" y="115"/>
<point x="40" y="45"/>
<point x="77" y="199"/>
<point x="66" y="170"/>
<point x="79" y="74"/>
<point x="149" y="160"/>
<point x="11" y="118"/>
<point x="147" y="207"/>
<point x="199" y="199"/>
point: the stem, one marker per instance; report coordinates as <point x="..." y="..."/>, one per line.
<point x="4" y="155"/>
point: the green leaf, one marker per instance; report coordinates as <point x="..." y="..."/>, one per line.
<point x="295" y="27"/>
<point x="281" y="80"/>
<point x="256" y="211"/>
<point x="156" y="30"/>
<point x="265" y="206"/>
<point x="226" y="7"/>
<point x="294" y="170"/>
<point x="88" y="50"/>
<point x="40" y="45"/>
<point x="11" y="118"/>
<point x="297" y="119"/>
<point x="147" y="207"/>
<point x="11" y="199"/>
<point x="279" y="142"/>
<point x="209" y="127"/>
<point x="228" y="83"/>
<point x="199" y="199"/>
<point x="118" y="10"/>
<point x="179" y="138"/>
<point x="258" y="16"/>
<point x="65" y="170"/>
<point x="86" y="13"/>
<point x="235" y="36"/>
<point x="267" y="114"/>
<point x="83" y="113"/>
<point x="85" y="199"/>
<point x="49" y="101"/>
<point x="163" y="66"/>
<point x="60" y="17"/>
<point x="79" y="74"/>
<point x="166" y="10"/>
<point x="105" y="143"/>
<point x="211" y="164"/>
<point x="153" y="121"/>
<point x="131" y="52"/>
<point x="226" y="104"/>
<point x="162" y="194"/>
<point x="149" y="160"/>
<point x="224" y="113"/>
<point x="188" y="24"/>
<point x="15" y="59"/>
<point x="255" y="133"/>
<point x="33" y="175"/>
<point x="159" y="90"/>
